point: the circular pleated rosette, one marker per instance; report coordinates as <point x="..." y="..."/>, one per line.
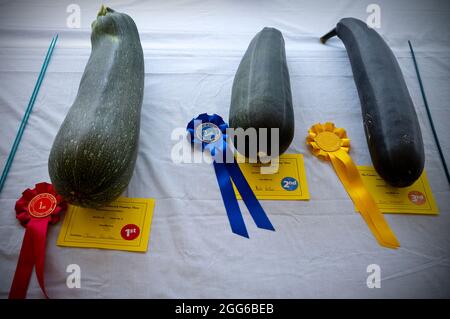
<point x="324" y="139"/>
<point x="40" y="202"/>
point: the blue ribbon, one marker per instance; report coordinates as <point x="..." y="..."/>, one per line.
<point x="210" y="132"/>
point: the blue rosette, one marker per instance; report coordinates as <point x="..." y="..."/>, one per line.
<point x="211" y="132"/>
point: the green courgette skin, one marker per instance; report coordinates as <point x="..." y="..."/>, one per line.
<point x="93" y="155"/>
<point x="261" y="94"/>
<point x="390" y="120"/>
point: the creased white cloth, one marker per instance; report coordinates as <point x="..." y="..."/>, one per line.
<point x="321" y="248"/>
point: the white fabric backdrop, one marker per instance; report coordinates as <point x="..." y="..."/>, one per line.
<point x="321" y="248"/>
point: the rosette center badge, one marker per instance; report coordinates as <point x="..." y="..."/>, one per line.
<point x="208" y="132"/>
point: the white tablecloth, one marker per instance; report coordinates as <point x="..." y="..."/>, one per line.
<point x="321" y="248"/>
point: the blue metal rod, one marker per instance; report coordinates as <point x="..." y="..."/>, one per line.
<point x="433" y="129"/>
<point x="24" y="121"/>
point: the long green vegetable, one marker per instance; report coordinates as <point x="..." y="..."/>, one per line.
<point x="390" y="121"/>
<point x="93" y="155"/>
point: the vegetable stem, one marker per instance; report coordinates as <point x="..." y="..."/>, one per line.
<point x="102" y="11"/>
<point x="330" y="34"/>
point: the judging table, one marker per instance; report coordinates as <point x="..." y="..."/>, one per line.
<point x="321" y="248"/>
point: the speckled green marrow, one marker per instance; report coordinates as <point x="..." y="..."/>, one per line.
<point x="261" y="94"/>
<point x="390" y="120"/>
<point x="94" y="153"/>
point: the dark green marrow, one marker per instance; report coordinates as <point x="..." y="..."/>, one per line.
<point x="93" y="155"/>
<point x="261" y="94"/>
<point x="390" y="120"/>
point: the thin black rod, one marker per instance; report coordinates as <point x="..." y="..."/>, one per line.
<point x="433" y="129"/>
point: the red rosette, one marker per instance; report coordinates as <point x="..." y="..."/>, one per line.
<point x="23" y="204"/>
<point x="36" y="209"/>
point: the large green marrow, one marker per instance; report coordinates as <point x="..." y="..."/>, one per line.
<point x="93" y="155"/>
<point x="261" y="94"/>
<point x="390" y="120"/>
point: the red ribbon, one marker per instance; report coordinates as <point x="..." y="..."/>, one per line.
<point x="35" y="210"/>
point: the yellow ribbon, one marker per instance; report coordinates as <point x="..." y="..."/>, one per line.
<point x="332" y="144"/>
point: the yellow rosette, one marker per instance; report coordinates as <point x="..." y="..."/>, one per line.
<point x="330" y="143"/>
